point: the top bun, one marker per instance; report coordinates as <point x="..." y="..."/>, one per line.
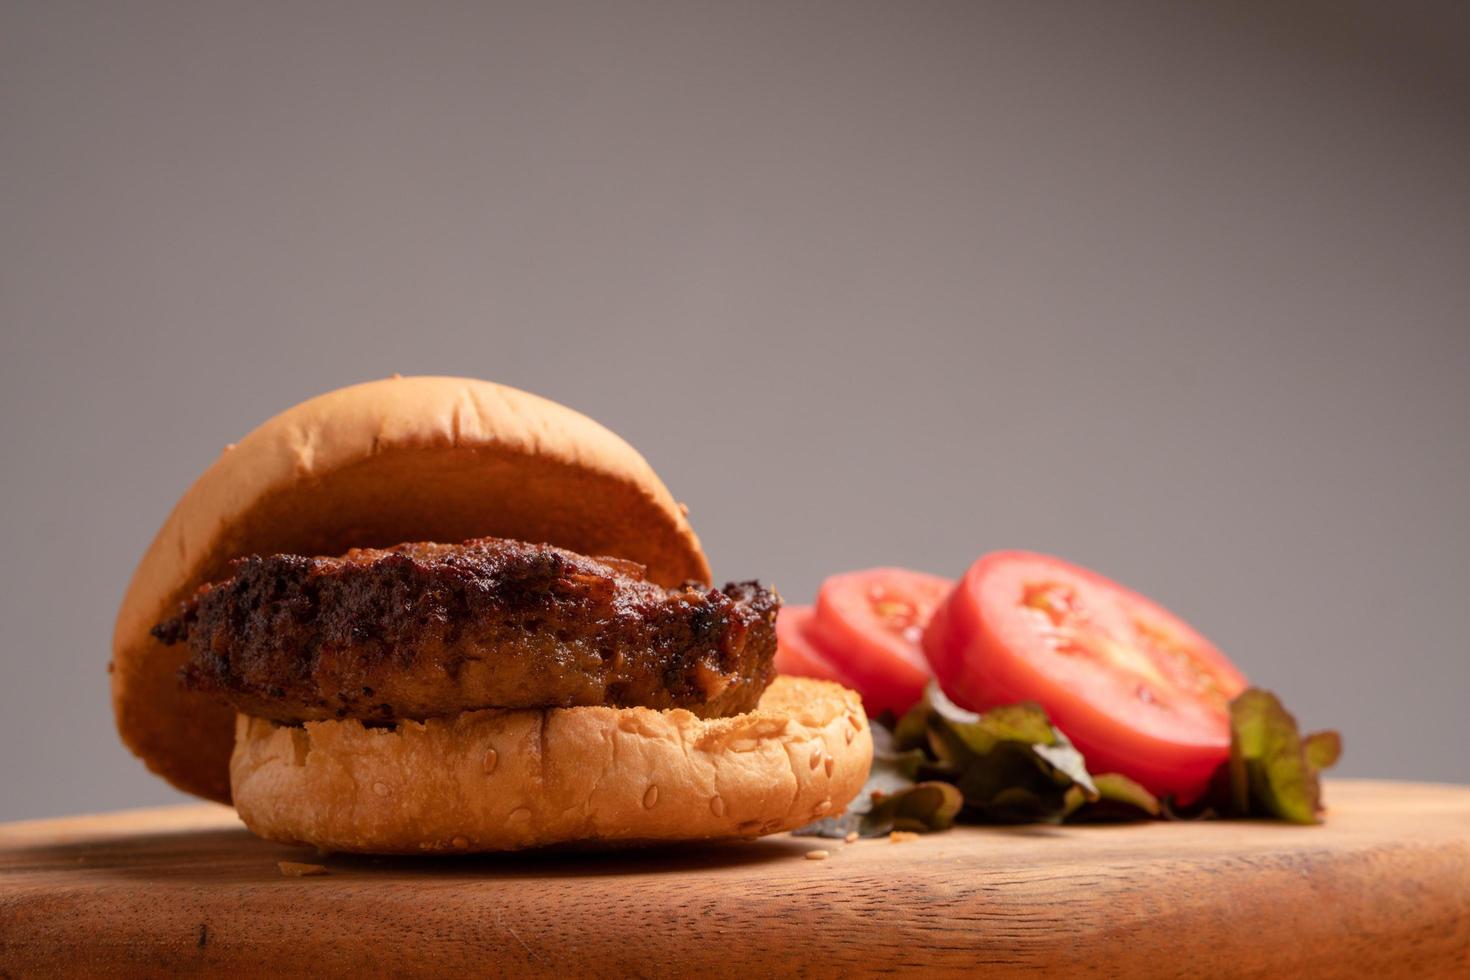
<point x="376" y="464"/>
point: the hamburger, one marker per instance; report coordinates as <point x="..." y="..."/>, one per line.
<point x="427" y="615"/>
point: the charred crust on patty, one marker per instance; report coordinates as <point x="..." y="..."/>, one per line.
<point x="427" y="630"/>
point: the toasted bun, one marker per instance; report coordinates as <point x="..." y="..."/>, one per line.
<point x="406" y="459"/>
<point x="502" y="780"/>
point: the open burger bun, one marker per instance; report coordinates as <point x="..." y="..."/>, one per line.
<point x="503" y="780"/>
<point x="404" y="459"/>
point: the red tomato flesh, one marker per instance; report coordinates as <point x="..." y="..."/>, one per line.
<point x="1137" y="690"/>
<point x="797" y="652"/>
<point x="871" y="624"/>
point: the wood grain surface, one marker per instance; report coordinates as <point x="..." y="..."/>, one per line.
<point x="1382" y="889"/>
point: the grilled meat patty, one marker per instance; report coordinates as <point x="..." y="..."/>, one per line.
<point x="424" y="630"/>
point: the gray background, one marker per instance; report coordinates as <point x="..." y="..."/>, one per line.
<point x="1178" y="291"/>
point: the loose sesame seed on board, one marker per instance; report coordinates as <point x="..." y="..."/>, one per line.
<point x="295" y="869"/>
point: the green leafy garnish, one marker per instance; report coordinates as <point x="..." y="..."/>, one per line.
<point x="1009" y="764"/>
<point x="1323" y="749"/>
<point x="1118" y="798"/>
<point x="921" y="807"/>
<point x="939" y="763"/>
<point x="894" y="797"/>
<point x="1273" y="770"/>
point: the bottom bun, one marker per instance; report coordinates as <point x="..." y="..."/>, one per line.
<point x="503" y="780"/>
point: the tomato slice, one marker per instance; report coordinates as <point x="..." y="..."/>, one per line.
<point x="797" y="652"/>
<point x="871" y="624"/>
<point x="1137" y="690"/>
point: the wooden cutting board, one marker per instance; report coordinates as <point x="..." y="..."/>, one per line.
<point x="1383" y="888"/>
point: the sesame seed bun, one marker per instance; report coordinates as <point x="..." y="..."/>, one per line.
<point x="504" y="780"/>
<point x="405" y="459"/>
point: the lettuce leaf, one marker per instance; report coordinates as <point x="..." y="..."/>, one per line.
<point x="894" y="797"/>
<point x="1009" y="764"/>
<point x="940" y="763"/>
<point x="1118" y="798"/>
<point x="1323" y="749"/>
<point x="1273" y="770"/>
<point x="922" y="807"/>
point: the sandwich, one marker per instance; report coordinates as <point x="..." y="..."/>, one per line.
<point x="440" y="615"/>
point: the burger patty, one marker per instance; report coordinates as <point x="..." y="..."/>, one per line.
<point x="424" y="630"/>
